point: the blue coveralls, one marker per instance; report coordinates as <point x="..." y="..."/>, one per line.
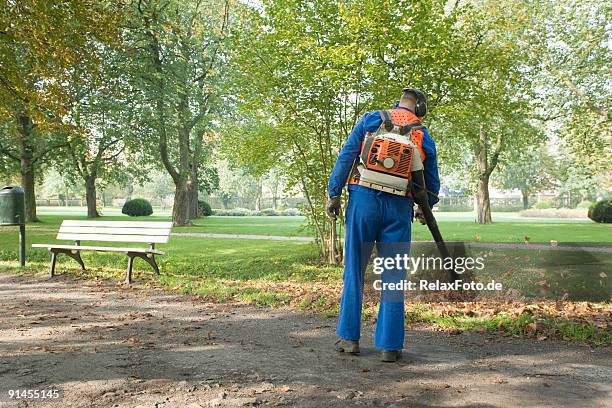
<point x="376" y="218"/>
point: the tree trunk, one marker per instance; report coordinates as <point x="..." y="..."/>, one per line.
<point x="258" y="194"/>
<point x="485" y="167"/>
<point x="129" y="189"/>
<point x="90" y="196"/>
<point x="28" y="184"/>
<point x="525" y="195"/>
<point x="193" y="196"/>
<point x="180" y="210"/>
<point x="26" y="167"/>
<point x="483" y="213"/>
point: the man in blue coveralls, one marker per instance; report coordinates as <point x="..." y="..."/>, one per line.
<point x="378" y="218"/>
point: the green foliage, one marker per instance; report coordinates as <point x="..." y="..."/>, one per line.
<point x="601" y="211"/>
<point x="573" y="77"/>
<point x="204" y="208"/>
<point x="137" y="207"/>
<point x="529" y="171"/>
<point x="543" y="205"/>
<point x="41" y="44"/>
<point x="584" y="204"/>
<point x="269" y="211"/>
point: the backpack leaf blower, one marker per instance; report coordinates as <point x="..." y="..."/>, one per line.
<point x="390" y="161"/>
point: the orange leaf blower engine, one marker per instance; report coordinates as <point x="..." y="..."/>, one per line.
<point x="388" y="158"/>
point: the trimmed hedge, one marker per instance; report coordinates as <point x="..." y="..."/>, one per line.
<point x="242" y="212"/>
<point x="585" y="204"/>
<point x="555" y="213"/>
<point x="269" y="211"/>
<point x="204" y="209"/>
<point x="137" y="207"/>
<point x="601" y="211"/>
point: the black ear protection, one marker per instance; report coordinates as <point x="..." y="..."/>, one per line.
<point x="421" y="101"/>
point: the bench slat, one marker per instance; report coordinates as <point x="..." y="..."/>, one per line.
<point x="100" y="249"/>
<point x="149" y="239"/>
<point x="114" y="231"/>
<point x="118" y="224"/>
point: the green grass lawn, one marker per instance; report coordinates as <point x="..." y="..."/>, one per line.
<point x="454" y="227"/>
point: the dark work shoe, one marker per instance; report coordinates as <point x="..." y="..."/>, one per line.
<point x="391" y="356"/>
<point x="347" y="346"/>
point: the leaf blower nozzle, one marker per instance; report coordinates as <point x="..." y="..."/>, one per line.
<point x="420" y="195"/>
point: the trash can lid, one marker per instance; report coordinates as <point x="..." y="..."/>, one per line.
<point x="11" y="190"/>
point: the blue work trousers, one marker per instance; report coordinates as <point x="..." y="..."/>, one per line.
<point x="382" y="219"/>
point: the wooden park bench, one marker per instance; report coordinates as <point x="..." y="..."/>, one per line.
<point x="110" y="231"/>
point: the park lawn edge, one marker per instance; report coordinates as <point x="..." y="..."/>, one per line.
<point x="262" y="294"/>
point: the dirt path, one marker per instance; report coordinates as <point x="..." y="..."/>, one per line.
<point x="108" y="345"/>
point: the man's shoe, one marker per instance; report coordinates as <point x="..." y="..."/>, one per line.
<point x="391" y="356"/>
<point x="347" y="346"/>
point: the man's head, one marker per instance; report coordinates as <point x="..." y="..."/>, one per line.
<point x="415" y="100"/>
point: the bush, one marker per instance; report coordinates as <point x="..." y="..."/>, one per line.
<point x="576" y="213"/>
<point x="601" y="211"/>
<point x="542" y="205"/>
<point x="137" y="207"/>
<point x="585" y="204"/>
<point x="236" y="212"/>
<point x="292" y="212"/>
<point x="241" y="212"/>
<point x="204" y="209"/>
<point x="268" y="211"/>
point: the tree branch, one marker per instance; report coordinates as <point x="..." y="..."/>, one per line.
<point x="496" y="152"/>
<point x="8" y="153"/>
<point x="48" y="150"/>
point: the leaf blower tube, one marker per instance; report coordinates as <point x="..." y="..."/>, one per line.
<point x="419" y="193"/>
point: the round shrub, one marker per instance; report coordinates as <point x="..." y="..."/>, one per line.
<point x="601" y="211"/>
<point x="585" y="204"/>
<point x="137" y="207"/>
<point x="204" y="209"/>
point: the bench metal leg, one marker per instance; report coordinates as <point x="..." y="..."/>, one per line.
<point x="128" y="276"/>
<point x="52" y="266"/>
<point x="76" y="255"/>
<point x="150" y="258"/>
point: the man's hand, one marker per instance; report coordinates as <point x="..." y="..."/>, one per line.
<point x="332" y="207"/>
<point x="418" y="214"/>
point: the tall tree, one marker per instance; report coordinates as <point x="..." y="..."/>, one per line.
<point x="40" y="43"/>
<point x="102" y="117"/>
<point x="529" y="171"/>
<point x="489" y="119"/>
<point x="177" y="53"/>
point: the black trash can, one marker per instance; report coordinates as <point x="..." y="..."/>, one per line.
<point x="12" y="212"/>
<point x="12" y="206"/>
